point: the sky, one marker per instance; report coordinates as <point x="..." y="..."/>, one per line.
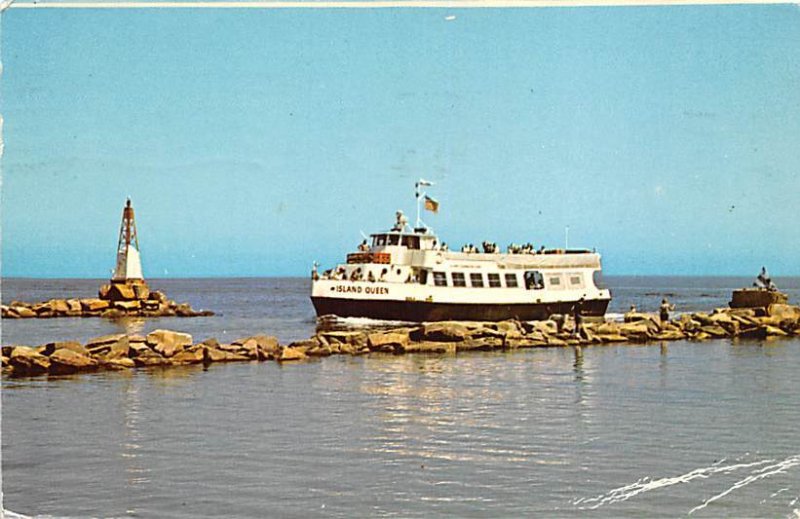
<point x="254" y="142"/>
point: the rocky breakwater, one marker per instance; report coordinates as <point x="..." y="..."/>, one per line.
<point x="156" y="305"/>
<point x="169" y="348"/>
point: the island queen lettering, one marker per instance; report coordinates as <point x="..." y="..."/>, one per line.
<point x="361" y="290"/>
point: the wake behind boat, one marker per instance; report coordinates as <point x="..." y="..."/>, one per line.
<point x="407" y="274"/>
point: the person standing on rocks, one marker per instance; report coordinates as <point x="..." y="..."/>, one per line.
<point x="577" y="315"/>
<point x="665" y="309"/>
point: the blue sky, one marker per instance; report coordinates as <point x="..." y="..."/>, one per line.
<point x="254" y="142"/>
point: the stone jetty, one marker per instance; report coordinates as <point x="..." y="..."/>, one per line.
<point x="155" y="305"/>
<point x="164" y="348"/>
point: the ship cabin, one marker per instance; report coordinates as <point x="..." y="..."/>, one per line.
<point x="416" y="256"/>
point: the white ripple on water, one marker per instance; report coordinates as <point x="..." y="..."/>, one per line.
<point x="764" y="472"/>
<point x="760" y="470"/>
<point x="647" y="484"/>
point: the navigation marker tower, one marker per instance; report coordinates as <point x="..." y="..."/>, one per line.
<point x="127" y="281"/>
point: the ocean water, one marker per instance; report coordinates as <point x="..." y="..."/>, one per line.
<point x="704" y="430"/>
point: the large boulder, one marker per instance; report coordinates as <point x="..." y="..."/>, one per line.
<point x="168" y="343"/>
<point x="389" y="342"/>
<point x="289" y="354"/>
<point x="26" y="361"/>
<point x="192" y="355"/>
<point x="445" y="331"/>
<point x="58" y="306"/>
<point x="781" y="312"/>
<point x="101" y="345"/>
<point x="261" y="347"/>
<point x="94" y="305"/>
<point x="65" y="361"/>
<point x="128" y="306"/>
<point x="24" y="312"/>
<point x="214" y="355"/>
<point x="52" y="347"/>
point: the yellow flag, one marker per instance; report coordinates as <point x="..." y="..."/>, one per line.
<point x="431" y="204"/>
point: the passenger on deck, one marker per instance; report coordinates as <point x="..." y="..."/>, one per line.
<point x="383" y="275"/>
<point x="401" y="221"/>
<point x="445" y="248"/>
<point x="371" y="277"/>
<point x="363" y="247"/>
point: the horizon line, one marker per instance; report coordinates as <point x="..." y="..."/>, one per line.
<point x="366" y="4"/>
<point x="81" y="278"/>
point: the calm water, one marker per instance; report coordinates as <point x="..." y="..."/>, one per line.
<point x="708" y="430"/>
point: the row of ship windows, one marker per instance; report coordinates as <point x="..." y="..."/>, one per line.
<point x="533" y="280"/>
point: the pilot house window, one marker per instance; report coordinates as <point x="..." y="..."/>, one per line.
<point x="476" y="279"/>
<point x="534" y="280"/>
<point x="511" y="280"/>
<point x="440" y="279"/>
<point x="459" y="280"/>
<point x="494" y="280"/>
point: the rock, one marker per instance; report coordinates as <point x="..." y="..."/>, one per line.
<point x="26" y="361"/>
<point x="638" y="330"/>
<point x="66" y="361"/>
<point x="445" y="331"/>
<point x="781" y="312"/>
<point x="148" y="357"/>
<point x="555" y="341"/>
<point x="158" y="296"/>
<point x="24" y="312"/>
<point x="58" y="306"/>
<point x="127" y="306"/>
<point x="548" y="327"/>
<point x="483" y="343"/>
<point x="212" y="342"/>
<point x="525" y="342"/>
<point x="757" y="332"/>
<point x="214" y="355"/>
<point x="8" y="313"/>
<point x="389" y="342"/>
<point x="101" y="345"/>
<point x="52" y="347"/>
<point x="267" y="345"/>
<point x="773" y="331"/>
<point x="289" y="354"/>
<point x="94" y="305"/>
<point x="167" y="342"/>
<point x="117" y="363"/>
<point x="714" y="331"/>
<point x="112" y="313"/>
<point x="431" y="347"/>
<point x="184" y="310"/>
<point x="611" y="337"/>
<point x="320" y="351"/>
<point x="74" y="306"/>
<point x="634" y="317"/>
<point x="192" y="355"/>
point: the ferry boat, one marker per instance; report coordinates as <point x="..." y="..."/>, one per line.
<point x="408" y="274"/>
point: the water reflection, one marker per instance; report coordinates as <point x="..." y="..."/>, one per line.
<point x="132" y="439"/>
<point x="130" y="325"/>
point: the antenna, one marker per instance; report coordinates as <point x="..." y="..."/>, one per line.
<point x="566" y="237"/>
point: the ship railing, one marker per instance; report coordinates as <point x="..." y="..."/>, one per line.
<point x="383" y="258"/>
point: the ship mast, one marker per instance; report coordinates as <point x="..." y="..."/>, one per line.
<point x="420" y="196"/>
